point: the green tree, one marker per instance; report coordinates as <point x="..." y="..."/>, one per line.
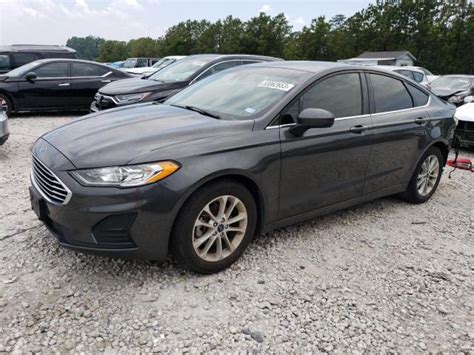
<point x="112" y="51"/>
<point x="87" y="48"/>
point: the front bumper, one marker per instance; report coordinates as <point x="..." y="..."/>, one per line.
<point x="465" y="133"/>
<point x="4" y="129"/>
<point x="110" y="221"/>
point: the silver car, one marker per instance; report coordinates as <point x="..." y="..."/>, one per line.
<point x="4" y="128"/>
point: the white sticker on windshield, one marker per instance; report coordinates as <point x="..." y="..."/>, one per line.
<point x="279" y="85"/>
<point x="250" y="110"/>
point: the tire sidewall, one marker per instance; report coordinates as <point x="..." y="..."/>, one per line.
<point x="182" y="234"/>
<point x="413" y="190"/>
<point x="9" y="104"/>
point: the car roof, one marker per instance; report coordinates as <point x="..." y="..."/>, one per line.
<point x="212" y="57"/>
<point x="309" y="66"/>
<point x="35" y="48"/>
<point x="458" y="76"/>
<point x="395" y="67"/>
<point x="52" y="60"/>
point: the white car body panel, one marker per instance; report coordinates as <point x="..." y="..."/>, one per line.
<point x="465" y="112"/>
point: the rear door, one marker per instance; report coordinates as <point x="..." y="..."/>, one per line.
<point x="51" y="89"/>
<point x="399" y="130"/>
<point x="326" y="165"/>
<point x="86" y="80"/>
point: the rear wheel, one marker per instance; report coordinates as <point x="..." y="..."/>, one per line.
<point x="6" y="104"/>
<point x="214" y="227"/>
<point x="426" y="177"/>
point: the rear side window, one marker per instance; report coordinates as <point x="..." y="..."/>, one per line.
<point x="418" y="77"/>
<point x="86" y="69"/>
<point x="389" y="94"/>
<point x="418" y="96"/>
<point x="59" y="55"/>
<point x="53" y="70"/>
<point x="340" y="94"/>
<point x="406" y="73"/>
<point x="23" y="58"/>
<point x="5" y="62"/>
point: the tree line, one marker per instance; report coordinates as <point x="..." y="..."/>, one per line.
<point x="440" y="34"/>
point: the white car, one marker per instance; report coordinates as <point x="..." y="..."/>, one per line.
<point x="465" y="128"/>
<point x="4" y="128"/>
<point x="414" y="73"/>
<point x="429" y="75"/>
<point x="162" y="63"/>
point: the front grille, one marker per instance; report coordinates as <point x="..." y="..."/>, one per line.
<point x="48" y="184"/>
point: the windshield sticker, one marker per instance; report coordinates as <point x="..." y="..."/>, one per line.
<point x="250" y="110"/>
<point x="279" y="85"/>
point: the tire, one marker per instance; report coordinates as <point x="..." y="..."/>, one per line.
<point x="420" y="189"/>
<point x="195" y="231"/>
<point x="7" y="105"/>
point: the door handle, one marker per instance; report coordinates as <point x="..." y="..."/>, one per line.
<point x="420" y="120"/>
<point x="64" y="84"/>
<point x="359" y="129"/>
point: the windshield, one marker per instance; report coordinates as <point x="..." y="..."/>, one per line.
<point x="452" y="83"/>
<point x="23" y="69"/>
<point x="239" y="93"/>
<point x="129" y="63"/>
<point x="163" y="63"/>
<point x="181" y="70"/>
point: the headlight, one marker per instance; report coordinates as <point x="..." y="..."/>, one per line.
<point x="128" y="99"/>
<point x="455" y="99"/>
<point x="126" y="176"/>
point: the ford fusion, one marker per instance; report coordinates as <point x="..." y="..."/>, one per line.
<point x="242" y="152"/>
<point x="170" y="80"/>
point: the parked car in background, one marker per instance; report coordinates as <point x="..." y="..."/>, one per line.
<point x="169" y="80"/>
<point x="4" y="127"/>
<point x="243" y="151"/>
<point x="115" y="65"/>
<point x="138" y="63"/>
<point x="162" y="63"/>
<point x="55" y="84"/>
<point x="429" y="75"/>
<point x="454" y="88"/>
<point x="413" y="73"/>
<point x="465" y="127"/>
<point x="16" y="55"/>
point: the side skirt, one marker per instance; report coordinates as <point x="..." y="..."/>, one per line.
<point x="338" y="206"/>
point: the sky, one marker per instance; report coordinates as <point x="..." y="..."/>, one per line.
<point x="54" y="21"/>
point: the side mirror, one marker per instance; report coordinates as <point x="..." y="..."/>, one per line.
<point x="31" y="76"/>
<point x="468" y="99"/>
<point x="312" y="118"/>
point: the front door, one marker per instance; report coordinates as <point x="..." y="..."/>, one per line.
<point x="51" y="88"/>
<point x="326" y="165"/>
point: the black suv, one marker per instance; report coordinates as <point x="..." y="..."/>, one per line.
<point x="16" y="55"/>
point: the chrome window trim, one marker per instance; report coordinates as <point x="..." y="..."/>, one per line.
<point x="361" y="116"/>
<point x="35" y="184"/>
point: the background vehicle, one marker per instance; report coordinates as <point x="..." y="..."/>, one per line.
<point x="162" y="63"/>
<point x="4" y="127"/>
<point x="116" y="65"/>
<point x="454" y="88"/>
<point x="169" y="80"/>
<point x="55" y="84"/>
<point x="139" y="63"/>
<point x="248" y="149"/>
<point x="465" y="127"/>
<point x="413" y="73"/>
<point x="16" y="55"/>
<point x="429" y="75"/>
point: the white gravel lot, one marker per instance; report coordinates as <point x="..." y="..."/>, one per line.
<point x="383" y="277"/>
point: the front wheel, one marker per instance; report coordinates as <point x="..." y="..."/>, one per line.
<point x="426" y="177"/>
<point x="214" y="227"/>
<point x="6" y="104"/>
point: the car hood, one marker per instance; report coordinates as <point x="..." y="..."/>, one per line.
<point x="445" y="92"/>
<point x="465" y="112"/>
<point x="136" y="134"/>
<point x="137" y="85"/>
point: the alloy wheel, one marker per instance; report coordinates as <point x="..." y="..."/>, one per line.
<point x="4" y="105"/>
<point x="220" y="228"/>
<point x="428" y="175"/>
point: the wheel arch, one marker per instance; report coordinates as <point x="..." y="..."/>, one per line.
<point x="237" y="176"/>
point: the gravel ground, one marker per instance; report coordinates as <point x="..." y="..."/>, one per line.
<point x="383" y="277"/>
